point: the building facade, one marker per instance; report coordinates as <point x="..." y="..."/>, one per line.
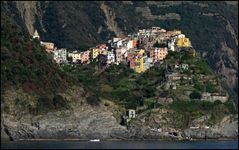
<point x="183" y="42"/>
<point x="49" y="46"/>
<point x="85" y="56"/>
<point x="110" y="57"/>
<point x="76" y="56"/>
<point x="60" y="55"/>
<point x="36" y="35"/>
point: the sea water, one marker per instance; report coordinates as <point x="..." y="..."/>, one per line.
<point x="147" y="144"/>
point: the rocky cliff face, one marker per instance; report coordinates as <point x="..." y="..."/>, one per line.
<point x="226" y="128"/>
<point x="79" y="121"/>
<point x="79" y="25"/>
<point x="167" y="124"/>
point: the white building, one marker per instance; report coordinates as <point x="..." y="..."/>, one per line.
<point x="184" y="66"/>
<point x="116" y="39"/>
<point x="214" y="96"/>
<point x="76" y="56"/>
<point x="110" y="57"/>
<point x="120" y="54"/>
<point x="171" y="44"/>
<point x="181" y="36"/>
<point x="36" y="35"/>
<point x="130" y="44"/>
<point x="131" y="113"/>
<point x="60" y="55"/>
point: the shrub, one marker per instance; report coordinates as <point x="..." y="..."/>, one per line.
<point x="217" y="102"/>
<point x="195" y="95"/>
<point x="93" y="100"/>
<point x="59" y="102"/>
<point x="44" y="104"/>
<point x="230" y="107"/>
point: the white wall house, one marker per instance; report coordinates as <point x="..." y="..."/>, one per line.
<point x="76" y="56"/>
<point x="171" y="44"/>
<point x="110" y="57"/>
<point x="60" y="55"/>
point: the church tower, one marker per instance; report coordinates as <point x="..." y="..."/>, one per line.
<point x="36" y="35"/>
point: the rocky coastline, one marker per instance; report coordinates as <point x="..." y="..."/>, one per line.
<point x="106" y="128"/>
<point x="85" y="122"/>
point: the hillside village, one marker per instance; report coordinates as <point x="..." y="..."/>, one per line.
<point x="140" y="51"/>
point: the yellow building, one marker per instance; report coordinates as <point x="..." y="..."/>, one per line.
<point x="141" y="52"/>
<point x="183" y="42"/>
<point x="139" y="67"/>
<point x="95" y="53"/>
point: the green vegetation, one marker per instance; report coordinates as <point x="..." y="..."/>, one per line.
<point x="195" y="95"/>
<point x="47" y="104"/>
<point x="118" y="83"/>
<point x="93" y="100"/>
<point x="157" y="44"/>
<point x="201" y="67"/>
<point x="195" y="109"/>
<point x="191" y="106"/>
<point x="24" y="63"/>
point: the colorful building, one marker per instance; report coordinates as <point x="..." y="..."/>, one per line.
<point x="131" y="44"/>
<point x="139" y="64"/>
<point x="94" y="53"/>
<point x="136" y="60"/>
<point x="162" y="53"/>
<point x="157" y="54"/>
<point x="102" y="49"/>
<point x="183" y="42"/>
<point x="85" y="56"/>
<point x="120" y="54"/>
<point x="49" y="47"/>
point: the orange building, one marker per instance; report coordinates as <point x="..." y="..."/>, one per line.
<point x="134" y="43"/>
<point x="157" y="54"/>
<point x="162" y="53"/>
<point x="48" y="46"/>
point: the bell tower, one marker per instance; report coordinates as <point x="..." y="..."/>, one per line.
<point x="36" y="35"/>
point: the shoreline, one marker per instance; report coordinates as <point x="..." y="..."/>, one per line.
<point x="88" y="140"/>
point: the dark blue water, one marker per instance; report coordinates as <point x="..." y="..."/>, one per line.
<point x="120" y="145"/>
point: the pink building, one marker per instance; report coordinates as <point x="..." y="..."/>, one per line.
<point x="102" y="49"/>
<point x="85" y="56"/>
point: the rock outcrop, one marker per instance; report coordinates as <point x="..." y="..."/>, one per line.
<point x="82" y="121"/>
<point x="227" y="128"/>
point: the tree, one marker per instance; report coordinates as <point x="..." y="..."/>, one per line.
<point x="69" y="59"/>
<point x="102" y="60"/>
<point x="156" y="44"/>
<point x="195" y="95"/>
<point x="93" y="100"/>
